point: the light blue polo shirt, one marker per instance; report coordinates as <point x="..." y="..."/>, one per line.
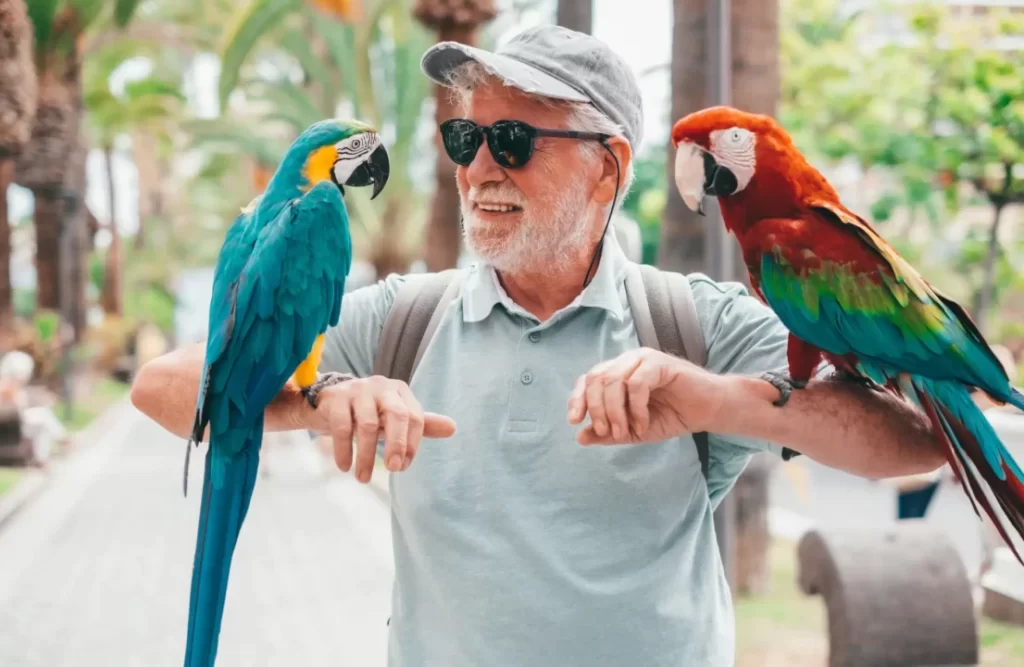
<point x="514" y="546"/>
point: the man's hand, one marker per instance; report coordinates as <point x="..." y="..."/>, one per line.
<point x="367" y="408"/>
<point x="645" y="396"/>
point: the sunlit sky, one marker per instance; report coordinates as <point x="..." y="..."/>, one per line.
<point x="643" y="38"/>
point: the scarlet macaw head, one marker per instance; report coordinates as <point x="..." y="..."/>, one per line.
<point x="719" y="149"/>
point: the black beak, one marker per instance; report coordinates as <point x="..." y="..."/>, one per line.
<point x="374" y="170"/>
<point x="718" y="180"/>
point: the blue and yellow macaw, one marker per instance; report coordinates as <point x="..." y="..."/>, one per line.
<point x="278" y="285"/>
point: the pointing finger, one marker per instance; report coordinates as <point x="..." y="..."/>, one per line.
<point x="437" y="426"/>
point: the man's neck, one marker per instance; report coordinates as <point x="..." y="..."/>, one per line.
<point x="543" y="293"/>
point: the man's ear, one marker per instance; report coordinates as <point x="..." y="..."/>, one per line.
<point x="606" y="185"/>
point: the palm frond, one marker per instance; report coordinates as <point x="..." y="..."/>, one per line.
<point x="41" y="13"/>
<point x="123" y="12"/>
<point x="208" y="133"/>
<point x="286" y="97"/>
<point x="298" y="45"/>
<point x="249" y="26"/>
<point x="339" y="39"/>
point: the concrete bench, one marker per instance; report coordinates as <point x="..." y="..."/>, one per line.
<point x="896" y="596"/>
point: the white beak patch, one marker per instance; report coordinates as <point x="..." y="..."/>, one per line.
<point x="689" y="174"/>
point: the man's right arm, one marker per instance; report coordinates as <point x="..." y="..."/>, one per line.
<point x="165" y="390"/>
<point x="363" y="409"/>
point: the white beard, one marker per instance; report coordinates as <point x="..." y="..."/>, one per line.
<point x="540" y="244"/>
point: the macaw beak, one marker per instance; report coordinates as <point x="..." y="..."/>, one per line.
<point x="374" y="170"/>
<point x="698" y="174"/>
<point x="690" y="175"/>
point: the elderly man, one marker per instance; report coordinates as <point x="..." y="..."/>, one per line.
<point x="514" y="543"/>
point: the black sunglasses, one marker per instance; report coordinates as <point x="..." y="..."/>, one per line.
<point x="510" y="141"/>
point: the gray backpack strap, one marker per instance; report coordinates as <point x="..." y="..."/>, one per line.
<point x="412" y="321"/>
<point x="666" y="319"/>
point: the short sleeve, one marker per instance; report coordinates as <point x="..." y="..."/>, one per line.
<point x="743" y="336"/>
<point x="351" y="346"/>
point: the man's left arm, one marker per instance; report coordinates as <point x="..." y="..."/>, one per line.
<point x="837" y="423"/>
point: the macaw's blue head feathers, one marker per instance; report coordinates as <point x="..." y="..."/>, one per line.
<point x="348" y="153"/>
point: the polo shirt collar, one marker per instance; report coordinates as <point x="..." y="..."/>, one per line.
<point x="482" y="290"/>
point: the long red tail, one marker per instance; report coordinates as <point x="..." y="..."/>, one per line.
<point x="964" y="453"/>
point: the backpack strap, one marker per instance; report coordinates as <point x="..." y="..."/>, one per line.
<point x="412" y="320"/>
<point x="665" y="318"/>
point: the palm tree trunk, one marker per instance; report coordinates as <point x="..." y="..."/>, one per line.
<point x="6" y="296"/>
<point x="444" y="229"/>
<point x="681" y="247"/>
<point x="576" y="15"/>
<point x="47" y="218"/>
<point x="756" y="87"/>
<point x="74" y="243"/>
<point x="111" y="293"/>
<point x="985" y="295"/>
<point x="387" y="254"/>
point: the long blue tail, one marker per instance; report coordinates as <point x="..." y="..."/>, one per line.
<point x="969" y="436"/>
<point x="227" y="489"/>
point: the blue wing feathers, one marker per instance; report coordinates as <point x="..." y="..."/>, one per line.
<point x="950" y="353"/>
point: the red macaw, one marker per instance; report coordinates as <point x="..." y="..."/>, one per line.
<point x="846" y="295"/>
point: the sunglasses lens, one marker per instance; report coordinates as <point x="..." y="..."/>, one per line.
<point x="511" y="143"/>
<point x="461" y="140"/>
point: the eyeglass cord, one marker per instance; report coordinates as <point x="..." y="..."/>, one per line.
<point x="615" y="200"/>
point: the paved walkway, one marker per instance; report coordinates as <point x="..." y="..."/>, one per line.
<point x="96" y="571"/>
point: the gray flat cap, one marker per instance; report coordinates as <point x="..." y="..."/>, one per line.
<point x="554" y="62"/>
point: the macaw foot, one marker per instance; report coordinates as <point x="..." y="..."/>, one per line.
<point x="784" y="384"/>
<point x="324" y="380"/>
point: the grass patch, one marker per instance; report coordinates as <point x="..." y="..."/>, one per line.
<point x="8" y="478"/>
<point x="89" y="404"/>
<point x="784" y="627"/>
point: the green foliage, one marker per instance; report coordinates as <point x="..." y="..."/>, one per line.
<point x="41" y="14"/>
<point x="646" y="199"/>
<point x="47" y="325"/>
<point x="123" y="12"/>
<point x="146" y="103"/>
<point x="88" y="14"/>
<point x="929" y="114"/>
<point x="151" y="303"/>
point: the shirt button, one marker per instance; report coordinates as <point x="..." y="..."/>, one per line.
<point x="534" y="336"/>
<point x="526" y="377"/>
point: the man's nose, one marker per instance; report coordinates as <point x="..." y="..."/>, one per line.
<point x="483" y="169"/>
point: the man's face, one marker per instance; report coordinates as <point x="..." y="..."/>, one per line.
<point x="534" y="218"/>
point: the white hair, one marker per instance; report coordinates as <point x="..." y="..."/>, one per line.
<point x="582" y="116"/>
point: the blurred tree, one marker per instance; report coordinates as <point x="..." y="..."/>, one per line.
<point x="576" y="15"/>
<point x="755" y="88"/>
<point x="456" y="21"/>
<point x="145" y="103"/>
<point x="981" y="104"/>
<point x="18" y="89"/>
<point x="681" y="247"/>
<point x="44" y="166"/>
<point x="645" y="201"/>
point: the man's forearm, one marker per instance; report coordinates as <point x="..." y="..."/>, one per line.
<point x="837" y="423"/>
<point x="165" y="390"/>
